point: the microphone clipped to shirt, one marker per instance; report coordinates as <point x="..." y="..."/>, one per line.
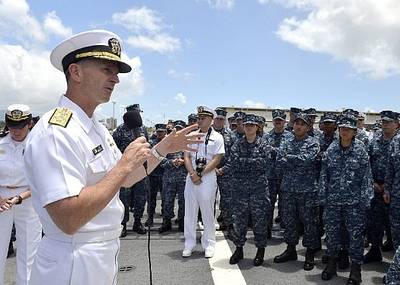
<point x="134" y="122"/>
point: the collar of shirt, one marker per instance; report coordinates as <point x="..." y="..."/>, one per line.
<point x="78" y="114"/>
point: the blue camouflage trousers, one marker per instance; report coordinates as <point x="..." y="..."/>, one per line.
<point x="378" y="220"/>
<point x="393" y="274"/>
<point x="139" y="197"/>
<point x="225" y="204"/>
<point x="156" y="185"/>
<point x="303" y="206"/>
<point x="172" y="187"/>
<point x="125" y="197"/>
<point x="395" y="222"/>
<point x="250" y="198"/>
<point x="353" y="218"/>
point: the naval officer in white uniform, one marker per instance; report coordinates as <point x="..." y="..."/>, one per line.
<point x="15" y="203"/>
<point x="201" y="184"/>
<point x="75" y="170"/>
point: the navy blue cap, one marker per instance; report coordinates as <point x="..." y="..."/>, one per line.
<point x="350" y="112"/>
<point x="193" y="117"/>
<point x="311" y="112"/>
<point x="220" y="112"/>
<point x="278" y="114"/>
<point x="179" y="124"/>
<point x="329" y="117"/>
<point x="161" y="127"/>
<point x="347" y="121"/>
<point x="295" y="110"/>
<point x="260" y="119"/>
<point x="239" y="115"/>
<point x="388" y="115"/>
<point x="134" y="107"/>
<point x="304" y="117"/>
<point x="250" y="119"/>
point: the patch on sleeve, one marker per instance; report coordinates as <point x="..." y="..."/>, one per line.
<point x="61" y="117"/>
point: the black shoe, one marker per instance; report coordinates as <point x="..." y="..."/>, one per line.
<point x="277" y="220"/>
<point x="387" y="246"/>
<point x="259" y="259"/>
<point x="236" y="256"/>
<point x="165" y="227"/>
<point x="343" y="260"/>
<point x="139" y="228"/>
<point x="124" y="232"/>
<point x="373" y="255"/>
<point x="149" y="222"/>
<point x="220" y="219"/>
<point x="289" y="254"/>
<point x="309" y="261"/>
<point x="384" y="279"/>
<point x="330" y="269"/>
<point x="10" y="250"/>
<point x="355" y="274"/>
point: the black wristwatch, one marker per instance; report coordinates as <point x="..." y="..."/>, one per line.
<point x="19" y="200"/>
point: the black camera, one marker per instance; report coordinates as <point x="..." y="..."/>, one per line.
<point x="200" y="164"/>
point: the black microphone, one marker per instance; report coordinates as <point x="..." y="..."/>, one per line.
<point x="134" y="122"/>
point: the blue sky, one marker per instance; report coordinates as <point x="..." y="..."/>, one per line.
<point x="251" y="53"/>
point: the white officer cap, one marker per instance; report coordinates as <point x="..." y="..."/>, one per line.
<point x="18" y="115"/>
<point x="204" y="110"/>
<point x="99" y="44"/>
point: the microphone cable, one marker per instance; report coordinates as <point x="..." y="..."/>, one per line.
<point x="148" y="186"/>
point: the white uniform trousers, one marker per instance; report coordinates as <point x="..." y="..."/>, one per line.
<point x="70" y="263"/>
<point x="202" y="196"/>
<point x="28" y="233"/>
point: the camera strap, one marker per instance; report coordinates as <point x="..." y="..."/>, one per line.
<point x="206" y="140"/>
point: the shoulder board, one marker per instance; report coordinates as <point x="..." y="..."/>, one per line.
<point x="61" y="117"/>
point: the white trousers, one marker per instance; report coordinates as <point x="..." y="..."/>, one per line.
<point x="70" y="263"/>
<point x="202" y="196"/>
<point x="28" y="233"/>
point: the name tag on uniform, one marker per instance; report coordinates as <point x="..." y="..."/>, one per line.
<point x="97" y="149"/>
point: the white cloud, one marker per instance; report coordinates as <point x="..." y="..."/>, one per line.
<point x="162" y="43"/>
<point x="253" y="104"/>
<point x="53" y="25"/>
<point x="147" y="30"/>
<point x="139" y="20"/>
<point x="220" y="4"/>
<point x="363" y="32"/>
<point x="180" y="98"/>
<point x="175" y="74"/>
<point x="263" y="1"/>
<point x="17" y="22"/>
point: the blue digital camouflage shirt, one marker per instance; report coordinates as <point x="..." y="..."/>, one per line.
<point x="296" y="161"/>
<point x="123" y="136"/>
<point x="249" y="160"/>
<point x="346" y="175"/>
<point x="379" y="155"/>
<point x="274" y="140"/>
<point x="392" y="178"/>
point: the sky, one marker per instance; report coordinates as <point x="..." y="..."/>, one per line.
<point x="327" y="54"/>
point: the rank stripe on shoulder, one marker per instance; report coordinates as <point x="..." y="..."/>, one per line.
<point x="61" y="117"/>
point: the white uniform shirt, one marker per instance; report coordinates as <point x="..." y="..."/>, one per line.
<point x="61" y="161"/>
<point x="215" y="146"/>
<point x="12" y="164"/>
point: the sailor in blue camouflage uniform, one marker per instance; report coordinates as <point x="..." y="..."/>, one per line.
<point x="393" y="274"/>
<point x="345" y="193"/>
<point x="239" y="132"/>
<point x="296" y="161"/>
<point x="392" y="192"/>
<point x="134" y="196"/>
<point x="361" y="134"/>
<point x="192" y="119"/>
<point x="274" y="138"/>
<point x="249" y="161"/>
<point x="312" y="114"/>
<point x="155" y="178"/>
<point x="173" y="185"/>
<point x="261" y="125"/>
<point x="232" y="123"/>
<point x="292" y="115"/>
<point x="223" y="178"/>
<point x="378" y="215"/>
